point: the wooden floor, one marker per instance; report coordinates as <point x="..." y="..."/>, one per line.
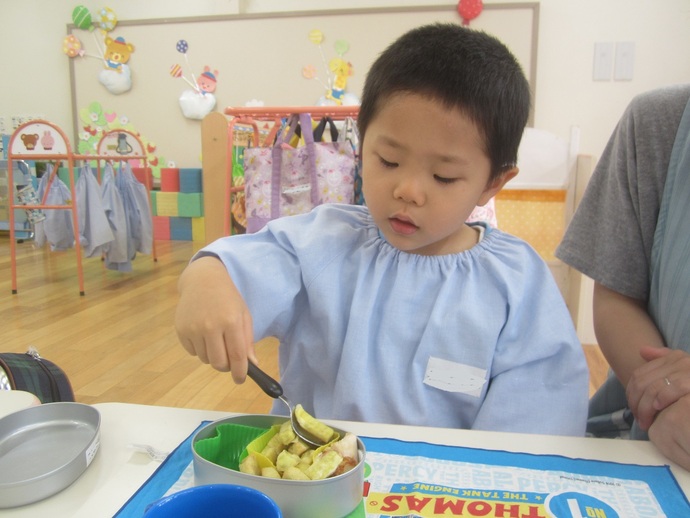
<point x="117" y="342"/>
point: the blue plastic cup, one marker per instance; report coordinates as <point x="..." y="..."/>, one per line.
<point x="215" y="501"/>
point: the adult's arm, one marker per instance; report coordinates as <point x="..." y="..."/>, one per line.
<point x="654" y="376"/>
<point x="622" y="327"/>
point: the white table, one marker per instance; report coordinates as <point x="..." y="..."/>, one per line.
<point x="14" y="400"/>
<point x="118" y="471"/>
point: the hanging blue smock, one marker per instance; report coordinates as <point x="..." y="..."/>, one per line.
<point x="94" y="230"/>
<point x="57" y="228"/>
<point x="116" y="256"/>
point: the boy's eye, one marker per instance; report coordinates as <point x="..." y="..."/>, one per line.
<point x="442" y="179"/>
<point x="386" y="163"/>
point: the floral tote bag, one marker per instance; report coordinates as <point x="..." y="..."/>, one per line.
<point x="283" y="180"/>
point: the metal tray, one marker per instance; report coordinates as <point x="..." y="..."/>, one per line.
<point x="43" y="449"/>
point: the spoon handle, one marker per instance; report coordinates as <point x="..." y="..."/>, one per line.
<point x="265" y="382"/>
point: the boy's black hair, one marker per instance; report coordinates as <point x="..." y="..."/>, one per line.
<point x="462" y="68"/>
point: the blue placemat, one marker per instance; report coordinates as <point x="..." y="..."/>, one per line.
<point x="426" y="480"/>
<point x="160" y="482"/>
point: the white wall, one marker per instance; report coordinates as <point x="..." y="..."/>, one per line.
<point x="35" y="74"/>
<point x="35" y="78"/>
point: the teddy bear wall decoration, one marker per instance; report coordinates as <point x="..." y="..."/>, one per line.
<point x="115" y="53"/>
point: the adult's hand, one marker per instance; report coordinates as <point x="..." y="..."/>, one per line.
<point x="662" y="381"/>
<point x="670" y="432"/>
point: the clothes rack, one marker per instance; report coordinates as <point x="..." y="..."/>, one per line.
<point x="43" y="140"/>
<point x="217" y="130"/>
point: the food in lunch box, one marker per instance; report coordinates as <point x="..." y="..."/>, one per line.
<point x="286" y="456"/>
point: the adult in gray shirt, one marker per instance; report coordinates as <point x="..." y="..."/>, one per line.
<point x="631" y="235"/>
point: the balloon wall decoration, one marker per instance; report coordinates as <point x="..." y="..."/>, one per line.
<point x="200" y="100"/>
<point x="115" y="52"/>
<point x="469" y="10"/>
<point x="338" y="71"/>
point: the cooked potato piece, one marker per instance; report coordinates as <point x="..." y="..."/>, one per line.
<point x="302" y="466"/>
<point x="286" y="460"/>
<point x="298" y="447"/>
<point x="346" y="465"/>
<point x="271" y="453"/>
<point x="324" y="465"/>
<point x="318" y="429"/>
<point x="286" y="433"/>
<point x="250" y="465"/>
<point x="270" y="472"/>
<point x="307" y="457"/>
<point x="294" y="473"/>
<point x="347" y="446"/>
<point x="276" y="442"/>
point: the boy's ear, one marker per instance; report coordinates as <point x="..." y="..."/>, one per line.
<point x="495" y="185"/>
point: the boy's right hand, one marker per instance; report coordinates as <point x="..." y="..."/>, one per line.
<point x="212" y="320"/>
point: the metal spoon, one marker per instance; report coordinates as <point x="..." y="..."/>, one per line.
<point x="272" y="388"/>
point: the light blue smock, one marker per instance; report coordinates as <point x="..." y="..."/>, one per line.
<point x="94" y="230"/>
<point x="135" y="198"/>
<point x="480" y="339"/>
<point x="57" y="229"/>
<point x="116" y="256"/>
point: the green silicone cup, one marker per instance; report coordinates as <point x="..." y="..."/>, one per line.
<point x="227" y="446"/>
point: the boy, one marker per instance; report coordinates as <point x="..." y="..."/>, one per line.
<point x="399" y="311"/>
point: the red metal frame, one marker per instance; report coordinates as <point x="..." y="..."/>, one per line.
<point x="63" y="153"/>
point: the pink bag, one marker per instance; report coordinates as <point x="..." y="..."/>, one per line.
<point x="485" y="213"/>
<point x="284" y="181"/>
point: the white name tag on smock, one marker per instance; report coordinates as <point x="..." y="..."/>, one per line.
<point x="454" y="377"/>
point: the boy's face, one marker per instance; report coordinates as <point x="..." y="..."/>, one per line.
<point x="424" y="169"/>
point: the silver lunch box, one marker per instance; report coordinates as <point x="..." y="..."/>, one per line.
<point x="334" y="497"/>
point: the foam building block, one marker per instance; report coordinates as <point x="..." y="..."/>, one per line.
<point x="181" y="229"/>
<point x="166" y="203"/>
<point x="170" y="179"/>
<point x="190" y="205"/>
<point x="154" y="199"/>
<point x="198" y="230"/>
<point x="190" y="180"/>
<point x="161" y="228"/>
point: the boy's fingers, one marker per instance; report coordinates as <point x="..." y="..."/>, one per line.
<point x="214" y="348"/>
<point x="200" y="351"/>
<point x="236" y="349"/>
<point x="248" y="328"/>
<point x="186" y="344"/>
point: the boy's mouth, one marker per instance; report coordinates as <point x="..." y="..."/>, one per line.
<point x="402" y="226"/>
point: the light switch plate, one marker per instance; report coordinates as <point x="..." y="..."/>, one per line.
<point x="603" y="61"/>
<point x="625" y="61"/>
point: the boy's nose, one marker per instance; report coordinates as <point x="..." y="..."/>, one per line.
<point x="409" y="190"/>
